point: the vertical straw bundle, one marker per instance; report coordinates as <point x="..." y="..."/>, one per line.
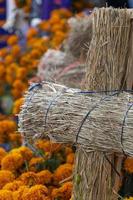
<point x="109" y="59"/>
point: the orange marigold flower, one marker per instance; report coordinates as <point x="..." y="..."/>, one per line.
<point x="32" y="32"/>
<point x="29" y="178"/>
<point x="3" y="52"/>
<point x="6" y="195"/>
<point x="9" y="59"/>
<point x="3" y="153"/>
<point x="2" y="70"/>
<point x="17" y="93"/>
<point x="15" y="138"/>
<point x="15" y="51"/>
<point x="15" y="185"/>
<point x="62" y="172"/>
<point x="44" y="177"/>
<point x="48" y="146"/>
<point x="56" y="194"/>
<point x="12" y="161"/>
<point x="17" y="104"/>
<point x="44" y="25"/>
<point x="5" y="177"/>
<point x="25" y="152"/>
<point x="35" y="54"/>
<point x="64" y="192"/>
<point x="128" y="165"/>
<point x="21" y="73"/>
<point x="39" y="192"/>
<point x="12" y="40"/>
<point x="70" y="158"/>
<point x="18" y="195"/>
<point x="68" y="150"/>
<point x="34" y="162"/>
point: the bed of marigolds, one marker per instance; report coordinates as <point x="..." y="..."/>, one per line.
<point x="44" y="174"/>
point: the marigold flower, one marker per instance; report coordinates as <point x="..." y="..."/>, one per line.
<point x="25" y="152"/>
<point x="39" y="192"/>
<point x="32" y="32"/>
<point x="18" y="195"/>
<point x="9" y="59"/>
<point x="2" y="70"/>
<point x="68" y="150"/>
<point x="35" y="54"/>
<point x="29" y="178"/>
<point x="66" y="189"/>
<point x="15" y="185"/>
<point x="15" y="51"/>
<point x="62" y="172"/>
<point x="15" y="138"/>
<point x="17" y="104"/>
<point x="21" y="73"/>
<point x="12" y="40"/>
<point x="64" y="192"/>
<point x="6" y="195"/>
<point x="128" y="165"/>
<point x="34" y="162"/>
<point x="70" y="158"/>
<point x="12" y="161"/>
<point x="3" y="153"/>
<point x="5" y="177"/>
<point x="3" y="52"/>
<point x="48" y="146"/>
<point x="44" y="177"/>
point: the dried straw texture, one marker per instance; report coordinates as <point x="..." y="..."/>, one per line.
<point x="57" y="112"/>
<point x="61" y="67"/>
<point x="96" y="185"/>
<point x="109" y="50"/>
<point x="80" y="36"/>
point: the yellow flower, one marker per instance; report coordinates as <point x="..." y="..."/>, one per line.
<point x="3" y="153"/>
<point x="39" y="192"/>
<point x="70" y="158"/>
<point x="13" y="186"/>
<point x="18" y="195"/>
<point x="6" y="195"/>
<point x="34" y="162"/>
<point x="130" y="198"/>
<point x="12" y="161"/>
<point x="12" y="40"/>
<point x="44" y="177"/>
<point x="29" y="178"/>
<point x="62" y="172"/>
<point x="5" y="177"/>
<point x="128" y="165"/>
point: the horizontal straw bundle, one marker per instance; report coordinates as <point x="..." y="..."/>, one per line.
<point x="94" y="121"/>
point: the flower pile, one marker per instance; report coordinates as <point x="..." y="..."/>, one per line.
<point x="46" y="173"/>
<point x="43" y="175"/>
